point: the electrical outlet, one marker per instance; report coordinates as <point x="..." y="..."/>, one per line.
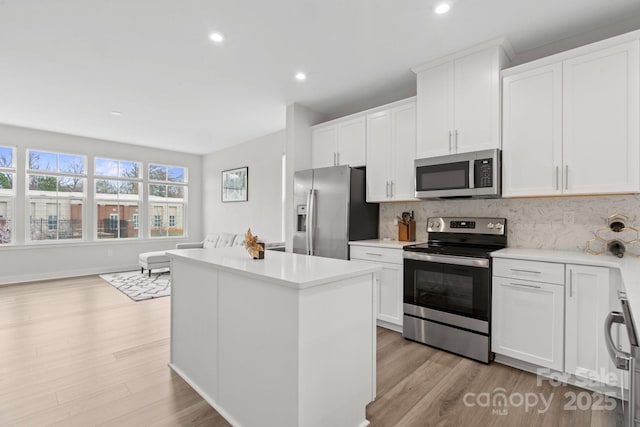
<point x="568" y="218"/>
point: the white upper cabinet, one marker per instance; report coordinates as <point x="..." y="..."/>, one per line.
<point x="571" y="123"/>
<point x="601" y="118"/>
<point x="324" y="145"/>
<point x="459" y="102"/>
<point x="391" y="145"/>
<point x="340" y="142"/>
<point x="532" y="148"/>
<point x="435" y="108"/>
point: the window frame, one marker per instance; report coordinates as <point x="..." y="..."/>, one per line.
<point x="59" y="197"/>
<point x="11" y="197"/>
<point x="167" y="201"/>
<point x="100" y="198"/>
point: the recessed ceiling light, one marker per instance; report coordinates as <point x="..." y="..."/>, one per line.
<point x="216" y="38"/>
<point x="300" y="76"/>
<point x="116" y="113"/>
<point x="442" y="8"/>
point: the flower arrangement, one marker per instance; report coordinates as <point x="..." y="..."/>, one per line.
<point x="255" y="249"/>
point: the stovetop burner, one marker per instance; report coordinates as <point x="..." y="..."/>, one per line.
<point x="467" y="237"/>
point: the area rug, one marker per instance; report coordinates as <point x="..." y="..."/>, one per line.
<point x="138" y="286"/>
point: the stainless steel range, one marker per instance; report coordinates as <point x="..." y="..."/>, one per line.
<point x="447" y="285"/>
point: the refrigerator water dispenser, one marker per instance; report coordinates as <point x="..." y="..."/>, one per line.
<point x="302" y="218"/>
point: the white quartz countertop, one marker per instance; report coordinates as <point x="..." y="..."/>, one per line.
<point x="382" y="243"/>
<point x="629" y="267"/>
<point x="284" y="268"/>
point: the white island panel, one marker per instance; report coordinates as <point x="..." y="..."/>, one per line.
<point x="299" y="351"/>
<point x="258" y="352"/>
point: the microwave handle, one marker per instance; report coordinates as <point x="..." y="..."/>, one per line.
<point x="472" y="174"/>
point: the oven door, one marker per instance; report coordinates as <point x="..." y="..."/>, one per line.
<point x="459" y="286"/>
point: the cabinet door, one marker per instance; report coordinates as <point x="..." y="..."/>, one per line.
<point x="435" y="111"/>
<point x="390" y="293"/>
<point x="528" y="321"/>
<point x="378" y="155"/>
<point x="388" y="290"/>
<point x="601" y="118"/>
<point x="324" y="146"/>
<point x="403" y="155"/>
<point x="352" y="142"/>
<point x="532" y="132"/>
<point x="477" y="102"/>
<point x="587" y="306"/>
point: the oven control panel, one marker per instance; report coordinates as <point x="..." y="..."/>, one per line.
<point x="467" y="225"/>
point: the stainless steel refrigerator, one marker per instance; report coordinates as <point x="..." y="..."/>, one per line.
<point x="331" y="210"/>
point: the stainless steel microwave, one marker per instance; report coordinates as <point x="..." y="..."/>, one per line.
<point x="465" y="175"/>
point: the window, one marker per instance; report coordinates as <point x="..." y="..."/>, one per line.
<point x="52" y="222"/>
<point x="118" y="185"/>
<point x="56" y="195"/>
<point x="7" y="193"/>
<point x="167" y="200"/>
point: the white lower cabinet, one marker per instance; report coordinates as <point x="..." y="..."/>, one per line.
<point x="388" y="288"/>
<point x="554" y="318"/>
<point x="528" y="321"/>
<point x="587" y="305"/>
<point x="389" y="284"/>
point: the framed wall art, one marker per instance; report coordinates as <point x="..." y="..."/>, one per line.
<point x="235" y="185"/>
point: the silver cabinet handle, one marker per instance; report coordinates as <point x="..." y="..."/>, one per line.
<point x="456" y="144"/>
<point x="372" y="253"/>
<point x="338" y="158"/>
<point x="450" y="142"/>
<point x="570" y="284"/>
<point x="387" y="189"/>
<point x="334" y="160"/>
<point x="525" y="271"/>
<point x="526" y="286"/>
<point x="391" y="192"/>
<point x="566" y="178"/>
<point x="557" y="177"/>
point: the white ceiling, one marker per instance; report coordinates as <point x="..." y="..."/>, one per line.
<point x="65" y="64"/>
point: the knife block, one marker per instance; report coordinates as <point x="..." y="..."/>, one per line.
<point x="407" y="232"/>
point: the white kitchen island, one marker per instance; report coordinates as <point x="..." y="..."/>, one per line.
<point x="285" y="341"/>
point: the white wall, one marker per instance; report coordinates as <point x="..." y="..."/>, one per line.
<point x="298" y="149"/>
<point x="263" y="210"/>
<point x="27" y="261"/>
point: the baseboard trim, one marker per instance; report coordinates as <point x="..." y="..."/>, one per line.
<point x="389" y="325"/>
<point x="36" y="277"/>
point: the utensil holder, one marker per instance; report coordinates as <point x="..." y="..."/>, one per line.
<point x="407" y="232"/>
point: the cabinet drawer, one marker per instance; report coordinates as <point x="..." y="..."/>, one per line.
<point x="373" y="253"/>
<point x="548" y="272"/>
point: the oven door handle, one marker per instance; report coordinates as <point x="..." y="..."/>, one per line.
<point x="447" y="259"/>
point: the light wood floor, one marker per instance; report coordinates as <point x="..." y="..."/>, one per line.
<point x="77" y="352"/>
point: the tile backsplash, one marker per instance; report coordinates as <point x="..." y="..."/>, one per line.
<point x="532" y="223"/>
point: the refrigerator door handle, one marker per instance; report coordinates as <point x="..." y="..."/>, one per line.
<point x="619" y="358"/>
<point x="307" y="224"/>
<point x="311" y="217"/>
